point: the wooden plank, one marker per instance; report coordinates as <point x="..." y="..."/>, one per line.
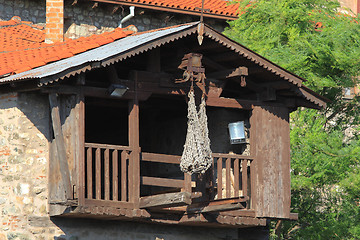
<point x="98" y="173"/>
<point x="231" y="155"/>
<point x="109" y="146"/>
<point x="240" y="213"/>
<point x="244" y="177"/>
<point x="166" y="200"/>
<point x="216" y="206"/>
<point x="124" y="158"/>
<point x="219" y="178"/>
<point x="162" y="158"/>
<point x="115" y="169"/>
<point x="227" y="177"/>
<point x="81" y="146"/>
<point x="99" y="202"/>
<point x="164" y="182"/>
<point x="187" y="183"/>
<point x="60" y="145"/>
<point x="89" y="173"/>
<point x="107" y="174"/>
<point x="253" y="173"/>
<point x="236" y="177"/>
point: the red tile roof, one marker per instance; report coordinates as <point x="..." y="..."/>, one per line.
<point x="22" y="45"/>
<point x="216" y="8"/>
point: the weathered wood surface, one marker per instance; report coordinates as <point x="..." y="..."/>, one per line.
<point x="272" y="159"/>
<point x="166" y="200"/>
<point x="134" y="143"/>
<point x="60" y="146"/>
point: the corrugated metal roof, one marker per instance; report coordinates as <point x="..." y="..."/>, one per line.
<point x="97" y="54"/>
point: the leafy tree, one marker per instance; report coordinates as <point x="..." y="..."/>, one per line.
<point x="315" y="41"/>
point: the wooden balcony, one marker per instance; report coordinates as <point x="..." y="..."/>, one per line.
<point x="126" y="180"/>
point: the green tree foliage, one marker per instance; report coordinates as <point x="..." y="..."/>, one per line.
<point x="313" y="40"/>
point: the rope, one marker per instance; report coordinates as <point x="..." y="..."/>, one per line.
<point x="196" y="157"/>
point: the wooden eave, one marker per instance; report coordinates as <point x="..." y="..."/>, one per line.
<point x="312" y="99"/>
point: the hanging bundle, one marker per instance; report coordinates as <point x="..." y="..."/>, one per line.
<point x="196" y="157"/>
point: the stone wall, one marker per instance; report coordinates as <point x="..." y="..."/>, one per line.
<point x="23" y="164"/>
<point x="85" y="18"/>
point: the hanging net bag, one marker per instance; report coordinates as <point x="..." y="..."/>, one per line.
<point x="196" y="157"/>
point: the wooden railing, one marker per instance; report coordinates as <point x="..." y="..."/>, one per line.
<point x="108" y="180"/>
<point x="231" y="175"/>
<point x="106" y="173"/>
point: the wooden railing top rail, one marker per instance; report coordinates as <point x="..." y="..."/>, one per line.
<point x="175" y="159"/>
<point x="163" y="158"/>
<point x="108" y="146"/>
<point x="231" y="155"/>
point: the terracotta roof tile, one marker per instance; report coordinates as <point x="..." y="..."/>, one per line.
<point x="216" y="7"/>
<point x="22" y="46"/>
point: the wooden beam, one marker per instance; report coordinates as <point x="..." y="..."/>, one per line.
<point x="229" y="103"/>
<point x="210" y="63"/>
<point x="164" y="182"/>
<point x="229" y="73"/>
<point x="214" y="206"/>
<point x="60" y="145"/>
<point x="166" y="200"/>
<point x="268" y="94"/>
<point x="154" y="61"/>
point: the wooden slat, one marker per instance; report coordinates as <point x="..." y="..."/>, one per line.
<point x="219" y="178"/>
<point x="164" y="182"/>
<point x="228" y="177"/>
<point x="107" y="174"/>
<point x="166" y="200"/>
<point x="89" y="174"/>
<point x="81" y="139"/>
<point x="162" y="158"/>
<point x="98" y="173"/>
<point x="244" y="177"/>
<point x="60" y="145"/>
<point x="187" y="183"/>
<point x="99" y="202"/>
<point x="109" y="146"/>
<point x="115" y="178"/>
<point x="236" y="177"/>
<point x="233" y="156"/>
<point x="208" y="206"/>
<point x="123" y="176"/>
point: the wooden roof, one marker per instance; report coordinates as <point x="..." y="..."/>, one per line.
<point x="230" y="52"/>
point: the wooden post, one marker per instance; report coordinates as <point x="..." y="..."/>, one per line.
<point x="60" y="145"/>
<point x="81" y="155"/>
<point x="134" y="169"/>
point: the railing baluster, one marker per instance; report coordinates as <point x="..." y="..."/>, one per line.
<point x="219" y="175"/>
<point x="124" y="157"/>
<point x="89" y="173"/>
<point x="228" y="177"/>
<point x="187" y="182"/>
<point x="115" y="177"/>
<point x="244" y="177"/>
<point x="236" y="177"/>
<point x="107" y="174"/>
<point x="98" y="173"/>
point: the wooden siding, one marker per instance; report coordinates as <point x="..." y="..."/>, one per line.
<point x="271" y="138"/>
<point x="67" y="108"/>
